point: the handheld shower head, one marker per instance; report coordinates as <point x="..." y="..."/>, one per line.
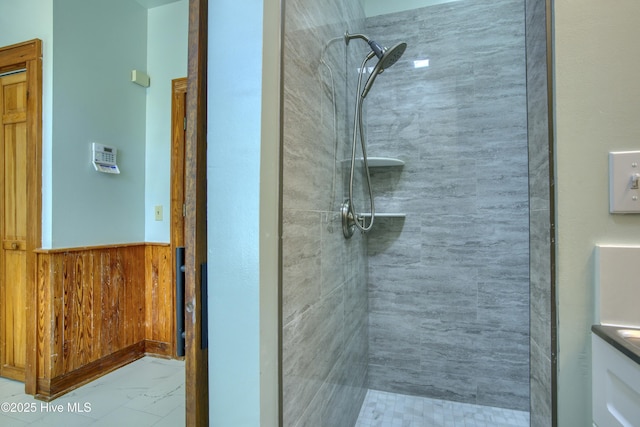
<point x="387" y="59"/>
<point x="390" y="56"/>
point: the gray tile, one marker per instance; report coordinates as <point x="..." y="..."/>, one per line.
<point x="541" y="380"/>
<point x="301" y="261"/>
<point x="334" y="271"/>
<point x="324" y="298"/>
<point x="395" y="242"/>
<point x="337" y="402"/>
<point x="461" y="255"/>
<point x="394" y="341"/>
<point x="504" y="302"/>
<point x="312" y="344"/>
<point x="451" y="349"/>
<point x="356" y="310"/>
<point x="539" y="189"/>
<point x="452" y="294"/>
<point x="389" y="409"/>
<point x="453" y="230"/>
<point x="502" y="354"/>
<point x="504" y="393"/>
<point x="399" y="290"/>
<point x="540" y="197"/>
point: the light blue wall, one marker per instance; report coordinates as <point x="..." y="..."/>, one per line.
<point x="97" y="45"/>
<point x="96" y="101"/>
<point x="25" y="20"/>
<point x="21" y="21"/>
<point x="167" y="60"/>
<point x="234" y="126"/>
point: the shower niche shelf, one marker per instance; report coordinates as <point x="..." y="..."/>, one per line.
<point x="384" y="215"/>
<point x="379" y="162"/>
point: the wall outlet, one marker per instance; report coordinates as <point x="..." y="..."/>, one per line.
<point x="158" y="213"/>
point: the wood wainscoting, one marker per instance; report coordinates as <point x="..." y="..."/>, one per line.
<point x="100" y="308"/>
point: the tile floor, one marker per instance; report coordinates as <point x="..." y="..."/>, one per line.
<point x="381" y="409"/>
<point x="147" y="392"/>
<point x="150" y="392"/>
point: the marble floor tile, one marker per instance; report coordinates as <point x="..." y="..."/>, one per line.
<point x="147" y="392"/>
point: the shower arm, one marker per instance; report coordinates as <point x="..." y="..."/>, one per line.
<point x="348" y="37"/>
<point x="375" y="47"/>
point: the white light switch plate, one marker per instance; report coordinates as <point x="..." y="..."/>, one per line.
<point x="623" y="167"/>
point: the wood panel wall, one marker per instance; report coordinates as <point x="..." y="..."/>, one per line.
<point x="100" y="308"/>
<point x="160" y="301"/>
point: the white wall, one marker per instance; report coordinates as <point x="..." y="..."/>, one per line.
<point x="97" y="44"/>
<point x="21" y="21"/>
<point x="166" y="60"/>
<point x="597" y="58"/>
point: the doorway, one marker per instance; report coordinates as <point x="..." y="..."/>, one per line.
<point x="13" y="226"/>
<point x="27" y="56"/>
<point x="20" y="205"/>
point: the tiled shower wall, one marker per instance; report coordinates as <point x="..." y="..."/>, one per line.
<point x="449" y="284"/>
<point x="542" y="319"/>
<point x="324" y="285"/>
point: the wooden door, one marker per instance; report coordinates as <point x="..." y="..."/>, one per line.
<point x="178" y="206"/>
<point x="22" y="56"/>
<point x="13" y="225"/>
<point x="196" y="353"/>
<point x="178" y="138"/>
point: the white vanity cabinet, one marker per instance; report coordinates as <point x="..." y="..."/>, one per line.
<point x="616" y="386"/>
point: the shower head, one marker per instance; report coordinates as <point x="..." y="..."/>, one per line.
<point x="391" y="55"/>
<point x="387" y="58"/>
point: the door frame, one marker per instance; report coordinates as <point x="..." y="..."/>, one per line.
<point x="177" y="217"/>
<point x="196" y="353"/>
<point x="28" y="56"/>
<point x="178" y="140"/>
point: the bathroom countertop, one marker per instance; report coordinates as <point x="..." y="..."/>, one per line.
<point x="629" y="347"/>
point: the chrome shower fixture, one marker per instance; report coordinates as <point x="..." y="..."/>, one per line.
<point x="386" y="57"/>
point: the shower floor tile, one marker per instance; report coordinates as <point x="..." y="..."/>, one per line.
<point x="382" y="409"/>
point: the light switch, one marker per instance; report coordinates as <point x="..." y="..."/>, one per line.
<point x="624" y="175"/>
<point x="158" y="213"/>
